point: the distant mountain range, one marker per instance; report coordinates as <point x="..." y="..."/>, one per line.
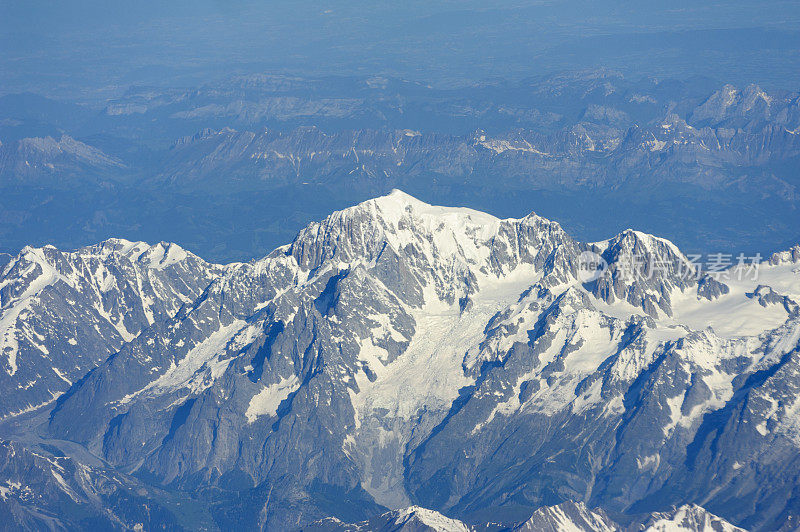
<point x="445" y="366"/>
<point x="562" y="517"/>
<point x="733" y="140"/>
<point x="258" y="157"/>
<point x="49" y="161"/>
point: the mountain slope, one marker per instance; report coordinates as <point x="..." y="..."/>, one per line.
<point x="411" y="519"/>
<point x="63" y="313"/>
<point x="564" y="517"/>
<point x="398" y="353"/>
<point x="46" y="161"/>
<point x="40" y="492"/>
<point x="567" y="516"/>
<point x="687" y="517"/>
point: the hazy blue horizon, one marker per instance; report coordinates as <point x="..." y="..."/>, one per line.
<point x="93" y="49"/>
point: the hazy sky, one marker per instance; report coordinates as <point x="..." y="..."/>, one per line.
<point x="100" y="47"/>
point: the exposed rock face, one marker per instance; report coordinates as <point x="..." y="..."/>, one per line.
<point x="411" y="519"/>
<point x="786" y="257"/>
<point x="48" y="161"/>
<point x="63" y="313"/>
<point x="397" y="353"/>
<point x="39" y="492"/>
<point x="567" y="516"/>
<point x="687" y="517"/>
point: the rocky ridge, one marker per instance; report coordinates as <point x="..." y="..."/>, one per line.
<point x="309" y="372"/>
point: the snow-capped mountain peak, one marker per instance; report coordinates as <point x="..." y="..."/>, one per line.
<point x="395" y="340"/>
<point x="71" y="309"/>
<point x="688" y="518"/>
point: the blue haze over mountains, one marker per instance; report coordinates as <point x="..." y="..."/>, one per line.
<point x="316" y="265"/>
<point x="130" y="83"/>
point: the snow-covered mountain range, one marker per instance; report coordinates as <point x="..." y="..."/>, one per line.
<point x="398" y="354"/>
<point x="63" y="313"/>
<point x="564" y="517"/>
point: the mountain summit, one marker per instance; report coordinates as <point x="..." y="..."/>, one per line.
<point x="398" y="354"/>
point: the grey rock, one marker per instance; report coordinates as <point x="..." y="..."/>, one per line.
<point x="397" y="353"/>
<point x="62" y="313"/>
